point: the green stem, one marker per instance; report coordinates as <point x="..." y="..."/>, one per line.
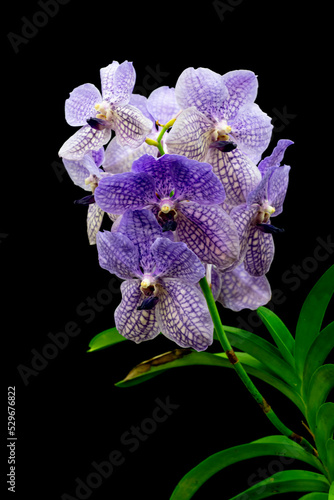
<point x="268" y="411"/>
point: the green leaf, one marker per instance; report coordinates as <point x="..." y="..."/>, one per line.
<point x="331" y="492"/>
<point x="314" y="496"/>
<point x="264" y="351"/>
<point x="268" y="446"/>
<point x="285" y="481"/>
<point x="146" y="370"/>
<point x="324" y="428"/>
<point x="105" y="339"/>
<point x="318" y="352"/>
<point x="321" y="383"/>
<point x="330" y="460"/>
<point x="279" y="332"/>
<point x="311" y="316"/>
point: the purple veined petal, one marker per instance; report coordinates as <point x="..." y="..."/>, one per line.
<point x="80" y="105"/>
<point x="201" y="88"/>
<point x="183" y="315"/>
<point x="131" y="126"/>
<point x="216" y="282"/>
<point x="88" y="162"/>
<point x="133" y="324"/>
<point x="84" y="140"/>
<point x="260" y="252"/>
<point x="209" y="232"/>
<point x="191" y="135"/>
<point x="240" y="290"/>
<point x="142" y="228"/>
<point x="77" y="173"/>
<point x="274" y="160"/>
<point x="117" y="193"/>
<point x="193" y="180"/>
<point x="242" y="86"/>
<point x="251" y="130"/>
<point x="141" y="102"/>
<point x="117" y="254"/>
<point x="158" y="169"/>
<point x="277" y="188"/>
<point x="162" y="104"/>
<point x="237" y="173"/>
<point x="117" y="82"/>
<point x="243" y="216"/>
<point x="119" y="159"/>
<point x="94" y="221"/>
<point x="176" y="260"/>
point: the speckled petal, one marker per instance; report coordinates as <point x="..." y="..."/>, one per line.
<point x="157" y="169"/>
<point x="117" y="254"/>
<point x="176" y="260"/>
<point x="94" y="221"/>
<point x="120" y="192"/>
<point x="84" y="140"/>
<point x="209" y="232"/>
<point x="80" y="105"/>
<point x="119" y="159"/>
<point x="201" y="88"/>
<point x="242" y="88"/>
<point x="133" y="324"/>
<point x="238" y="174"/>
<point x="260" y="252"/>
<point x="130" y="125"/>
<point x="240" y="291"/>
<point x="117" y="82"/>
<point x="243" y="216"/>
<point x="162" y="104"/>
<point x="190" y="135"/>
<point x="183" y="315"/>
<point x="251" y="130"/>
<point x="142" y="228"/>
<point x="274" y="160"/>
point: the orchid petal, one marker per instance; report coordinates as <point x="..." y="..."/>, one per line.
<point x="209" y="232"/>
<point x="117" y="82"/>
<point x="94" y="221"/>
<point x="130" y="322"/>
<point x="274" y="160"/>
<point x="119" y="192"/>
<point x="162" y="104"/>
<point x="130" y="125"/>
<point x="260" y="252"/>
<point x="84" y="140"/>
<point x="183" y="315"/>
<point x="119" y="159"/>
<point x="117" y="254"/>
<point x="190" y="135"/>
<point x="80" y="105"/>
<point x="242" y="86"/>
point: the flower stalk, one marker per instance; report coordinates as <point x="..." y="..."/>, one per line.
<point x="266" y="408"/>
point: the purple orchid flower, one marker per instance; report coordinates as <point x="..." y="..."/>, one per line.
<point x="237" y="289"/>
<point x="252" y="218"/>
<point x="159" y="293"/>
<point x="221" y="124"/>
<point x="184" y="196"/>
<point x="98" y="114"/>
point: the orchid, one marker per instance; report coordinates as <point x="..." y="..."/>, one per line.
<point x="184" y="195"/>
<point x="252" y="218"/>
<point x="221" y="124"/>
<point x="190" y="201"/>
<point x="158" y="292"/>
<point x="99" y="114"/>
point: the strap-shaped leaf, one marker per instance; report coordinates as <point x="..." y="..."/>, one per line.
<point x="324" y="428"/>
<point x="311" y="316"/>
<point x="330" y="460"/>
<point x="315" y="496"/>
<point x="269" y="446"/>
<point x="105" y="339"/>
<point x="318" y="352"/>
<point x="331" y="492"/>
<point x="321" y="383"/>
<point x="286" y="481"/>
<point x="152" y="367"/>
<point x="280" y="334"/>
<point x="264" y="351"/>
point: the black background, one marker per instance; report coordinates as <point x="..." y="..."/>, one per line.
<point x="69" y="414"/>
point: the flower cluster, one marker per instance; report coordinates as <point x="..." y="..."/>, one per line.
<point x="187" y="193"/>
